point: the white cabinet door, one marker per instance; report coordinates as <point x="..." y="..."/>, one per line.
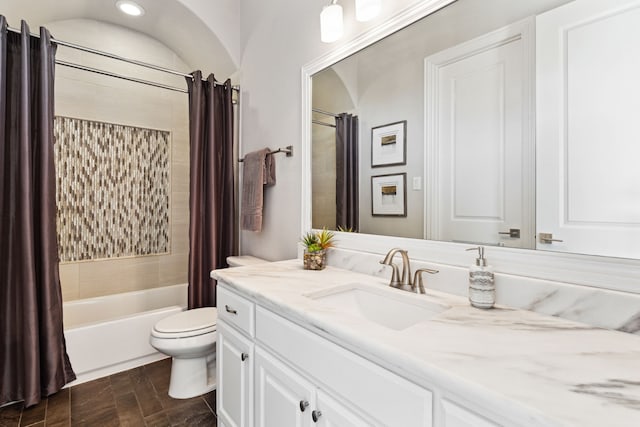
<point x="235" y="377"/>
<point x="480" y="161"/>
<point x="456" y="416"/>
<point x="588" y="99"/>
<point x="283" y="398"/>
<point x="330" y="412"/>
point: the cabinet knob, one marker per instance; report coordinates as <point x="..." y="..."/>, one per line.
<point x="303" y="405"/>
<point x="244" y="356"/>
<point x="230" y="310"/>
<point x="315" y="415"/>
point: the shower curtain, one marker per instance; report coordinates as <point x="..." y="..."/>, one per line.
<point x="211" y="200"/>
<point x="347" y="172"/>
<point x="33" y="360"/>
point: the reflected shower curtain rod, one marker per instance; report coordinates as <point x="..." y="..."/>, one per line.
<point x="119" y="58"/>
<point x="326" y="113"/>
<point x="318" y="122"/>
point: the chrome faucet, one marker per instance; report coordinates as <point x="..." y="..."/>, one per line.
<point x="404" y="280"/>
<point x="396" y="281"/>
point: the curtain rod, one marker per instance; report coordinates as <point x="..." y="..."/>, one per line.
<point x="119" y="76"/>
<point x="119" y="58"/>
<point x="326" y="113"/>
<point x="318" y="122"/>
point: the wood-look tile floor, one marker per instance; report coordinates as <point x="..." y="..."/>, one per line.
<point x="133" y="398"/>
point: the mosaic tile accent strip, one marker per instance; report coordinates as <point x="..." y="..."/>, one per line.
<point x="112" y="189"/>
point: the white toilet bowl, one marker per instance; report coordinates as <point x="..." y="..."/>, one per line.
<point x="190" y="339"/>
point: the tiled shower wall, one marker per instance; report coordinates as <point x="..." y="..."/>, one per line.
<point x="97" y="98"/>
<point x="112" y="190"/>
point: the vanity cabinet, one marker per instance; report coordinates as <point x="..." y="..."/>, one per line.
<point x="370" y="395"/>
<point x="234" y="396"/>
<point x="275" y="373"/>
<point x="455" y="415"/>
<point x="332" y="413"/>
<point x="283" y="398"/>
<point x="301" y="379"/>
<point x="286" y="398"/>
<point x="234" y="365"/>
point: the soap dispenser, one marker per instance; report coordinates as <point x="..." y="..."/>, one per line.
<point x="482" y="289"/>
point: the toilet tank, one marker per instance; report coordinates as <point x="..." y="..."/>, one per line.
<point x="244" y="260"/>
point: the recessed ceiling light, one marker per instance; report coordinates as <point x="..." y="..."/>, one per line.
<point x="130" y="8"/>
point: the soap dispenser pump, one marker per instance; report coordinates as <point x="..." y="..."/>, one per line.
<point x="482" y="289"/>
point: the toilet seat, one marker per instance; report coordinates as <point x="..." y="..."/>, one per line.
<point x="187" y="324"/>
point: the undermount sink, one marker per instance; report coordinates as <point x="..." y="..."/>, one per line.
<point x="391" y="308"/>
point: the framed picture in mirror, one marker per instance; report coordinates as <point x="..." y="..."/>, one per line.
<point x="388" y="144"/>
<point x="389" y="195"/>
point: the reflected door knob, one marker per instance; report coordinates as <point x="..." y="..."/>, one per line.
<point x="547" y="238"/>
<point x="315" y="415"/>
<point x="303" y="405"/>
<point x="514" y="233"/>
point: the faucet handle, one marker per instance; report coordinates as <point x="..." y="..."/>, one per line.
<point x="395" y="274"/>
<point x="417" y="278"/>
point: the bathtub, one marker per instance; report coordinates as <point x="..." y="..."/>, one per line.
<point x="110" y="334"/>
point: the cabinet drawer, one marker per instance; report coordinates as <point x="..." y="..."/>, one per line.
<point x="236" y="310"/>
<point x="375" y="391"/>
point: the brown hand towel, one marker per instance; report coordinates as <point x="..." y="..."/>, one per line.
<point x="270" y="170"/>
<point x="259" y="169"/>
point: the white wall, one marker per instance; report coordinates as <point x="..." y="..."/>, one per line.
<point x="392" y="95"/>
<point x="279" y="37"/>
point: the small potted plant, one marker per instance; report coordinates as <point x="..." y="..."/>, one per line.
<point x="315" y="248"/>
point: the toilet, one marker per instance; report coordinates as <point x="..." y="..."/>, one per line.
<point x="190" y="338"/>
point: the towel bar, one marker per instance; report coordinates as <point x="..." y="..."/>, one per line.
<point x="288" y="150"/>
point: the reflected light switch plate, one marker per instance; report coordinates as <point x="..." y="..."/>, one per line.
<point x="417" y="183"/>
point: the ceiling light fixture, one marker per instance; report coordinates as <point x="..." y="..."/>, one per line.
<point x="366" y="10"/>
<point x="331" y="22"/>
<point x="130" y="8"/>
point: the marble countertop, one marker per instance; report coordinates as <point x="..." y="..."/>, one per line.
<point x="539" y="369"/>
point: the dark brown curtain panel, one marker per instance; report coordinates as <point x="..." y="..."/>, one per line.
<point x="33" y="357"/>
<point x="347" y="184"/>
<point x="211" y="197"/>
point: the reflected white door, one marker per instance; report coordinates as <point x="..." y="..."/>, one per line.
<point x="479" y="140"/>
<point x="588" y="127"/>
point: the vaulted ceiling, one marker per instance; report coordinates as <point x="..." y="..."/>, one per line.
<point x="181" y="25"/>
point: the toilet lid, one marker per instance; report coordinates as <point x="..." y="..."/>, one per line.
<point x="188" y="321"/>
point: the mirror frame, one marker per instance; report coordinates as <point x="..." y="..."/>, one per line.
<point x="618" y="274"/>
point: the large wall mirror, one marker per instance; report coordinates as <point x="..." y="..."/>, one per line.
<point x="495" y="122"/>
